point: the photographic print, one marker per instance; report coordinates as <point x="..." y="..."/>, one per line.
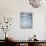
<point x="26" y="20"/>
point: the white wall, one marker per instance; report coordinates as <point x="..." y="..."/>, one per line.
<point x="12" y="8"/>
